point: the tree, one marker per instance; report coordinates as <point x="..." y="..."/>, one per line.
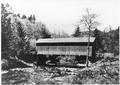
<point x="97" y="35"/>
<point x="18" y="15"/>
<point x="110" y="40"/>
<point x="6" y="30"/>
<point x="23" y="43"/>
<point x="34" y="18"/>
<point x="24" y="17"/>
<point x="59" y="34"/>
<point x="36" y="33"/>
<point x="64" y="34"/>
<point x="113" y="36"/>
<point x="89" y="22"/>
<point x="20" y="44"/>
<point x="77" y="32"/>
<point x="115" y="43"/>
<point x="44" y="32"/>
<point x="30" y="18"/>
<point x="37" y="30"/>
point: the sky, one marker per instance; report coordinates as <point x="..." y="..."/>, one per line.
<point x="64" y="15"/>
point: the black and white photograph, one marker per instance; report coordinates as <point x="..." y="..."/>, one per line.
<point x="60" y="42"/>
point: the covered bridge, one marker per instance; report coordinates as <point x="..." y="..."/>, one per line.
<point x="66" y="47"/>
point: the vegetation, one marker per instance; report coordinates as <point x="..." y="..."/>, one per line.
<point x="23" y="17"/>
<point x="44" y="32"/>
<point x="59" y="34"/>
<point x="15" y="77"/>
<point x="6" y="30"/>
<point x="98" y="36"/>
<point x="104" y="71"/>
<point x="19" y="33"/>
<point x="89" y="22"/>
<point x="77" y="32"/>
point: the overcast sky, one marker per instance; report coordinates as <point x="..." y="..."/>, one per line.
<point x="64" y="14"/>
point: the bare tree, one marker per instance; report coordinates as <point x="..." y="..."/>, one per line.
<point x="59" y="34"/>
<point x="88" y="21"/>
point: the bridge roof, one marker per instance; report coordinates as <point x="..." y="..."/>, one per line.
<point x="65" y="40"/>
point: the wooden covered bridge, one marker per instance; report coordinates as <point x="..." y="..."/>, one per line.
<point x="78" y="47"/>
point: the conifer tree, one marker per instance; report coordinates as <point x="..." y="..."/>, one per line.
<point x="34" y="18"/>
<point x="24" y="17"/>
<point x="77" y="32"/>
<point x="30" y="18"/>
<point x="23" y="43"/>
<point x="98" y="39"/>
<point x="44" y="32"/>
<point x="18" y="15"/>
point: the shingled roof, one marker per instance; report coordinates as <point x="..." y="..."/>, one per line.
<point x="65" y="40"/>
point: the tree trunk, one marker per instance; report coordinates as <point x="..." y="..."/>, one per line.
<point x="88" y="48"/>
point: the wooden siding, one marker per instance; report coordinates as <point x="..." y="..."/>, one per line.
<point x="64" y="50"/>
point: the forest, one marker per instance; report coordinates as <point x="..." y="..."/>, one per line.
<point x="18" y="36"/>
